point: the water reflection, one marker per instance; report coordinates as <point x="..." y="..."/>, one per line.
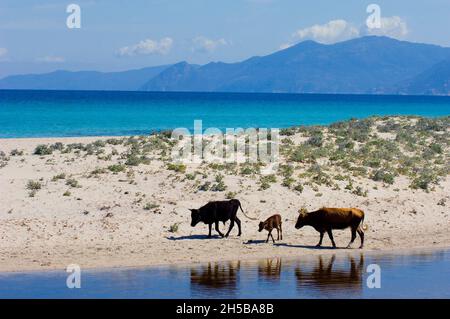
<point x="220" y="277"/>
<point x="414" y="275"/>
<point x="270" y="269"/>
<point x="324" y="275"/>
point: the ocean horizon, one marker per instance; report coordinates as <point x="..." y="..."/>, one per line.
<point x="41" y="113"/>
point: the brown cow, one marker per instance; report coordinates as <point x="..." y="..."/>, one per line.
<point x="327" y="219"/>
<point x="269" y="224"/>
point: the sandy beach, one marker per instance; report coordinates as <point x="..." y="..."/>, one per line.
<point x="89" y="201"/>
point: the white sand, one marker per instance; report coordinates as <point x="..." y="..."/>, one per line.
<point x="103" y="223"/>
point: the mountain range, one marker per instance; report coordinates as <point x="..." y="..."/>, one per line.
<point x="83" y="80"/>
<point x="366" y="65"/>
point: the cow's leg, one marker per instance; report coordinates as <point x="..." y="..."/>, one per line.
<point x="281" y="233"/>
<point x="353" y="237"/>
<point x="238" y="222"/>
<point x="321" y="239"/>
<point x="210" y="228"/>
<point x="231" y="227"/>
<point x="278" y="233"/>
<point x="361" y="234"/>
<point x="217" y="228"/>
<point x="268" y="236"/>
<point x="272" y="237"/>
<point x="330" y="234"/>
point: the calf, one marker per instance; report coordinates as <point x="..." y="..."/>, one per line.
<point x="269" y="224"/>
<point x="327" y="219"/>
<point x="218" y="211"/>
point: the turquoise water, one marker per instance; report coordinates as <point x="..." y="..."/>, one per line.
<point x="416" y="275"/>
<point x="87" y="113"/>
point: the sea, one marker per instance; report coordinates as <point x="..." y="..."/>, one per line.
<point x="34" y="113"/>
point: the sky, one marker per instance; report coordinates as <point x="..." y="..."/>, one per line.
<point x="122" y="35"/>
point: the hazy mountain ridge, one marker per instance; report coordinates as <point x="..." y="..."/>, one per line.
<point x="434" y="81"/>
<point x="367" y="65"/>
<point x="82" y="80"/>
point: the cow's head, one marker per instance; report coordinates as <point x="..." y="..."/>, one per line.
<point x="195" y="217"/>
<point x="302" y="218"/>
<point x="261" y="226"/>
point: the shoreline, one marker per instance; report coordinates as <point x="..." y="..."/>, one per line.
<point x="339" y="252"/>
<point x="148" y="132"/>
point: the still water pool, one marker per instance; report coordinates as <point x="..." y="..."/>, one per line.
<point x="344" y="275"/>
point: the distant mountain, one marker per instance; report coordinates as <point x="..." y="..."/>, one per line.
<point x="363" y="65"/>
<point x="370" y="65"/>
<point x="434" y="81"/>
<point x="83" y="80"/>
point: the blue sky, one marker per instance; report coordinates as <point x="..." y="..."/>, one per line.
<point x="118" y="35"/>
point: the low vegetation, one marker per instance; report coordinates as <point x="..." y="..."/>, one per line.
<point x="356" y="156"/>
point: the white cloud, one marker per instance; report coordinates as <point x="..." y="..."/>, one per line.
<point x="331" y="32"/>
<point x="341" y="30"/>
<point x="147" y="46"/>
<point x="393" y="27"/>
<point x="51" y="59"/>
<point x="3" y="52"/>
<point x="203" y="44"/>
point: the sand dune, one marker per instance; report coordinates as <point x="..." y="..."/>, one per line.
<point x="80" y="209"/>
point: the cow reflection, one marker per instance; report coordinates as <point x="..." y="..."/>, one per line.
<point x="325" y="275"/>
<point x="217" y="276"/>
<point x="270" y="268"/>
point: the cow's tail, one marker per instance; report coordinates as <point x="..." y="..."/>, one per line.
<point x="364" y="227"/>
<point x="252" y="218"/>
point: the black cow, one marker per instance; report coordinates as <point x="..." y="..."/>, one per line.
<point x="218" y="211"/>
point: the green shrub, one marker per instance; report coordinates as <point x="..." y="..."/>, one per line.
<point x="288" y="131"/>
<point x="287" y="182"/>
<point x="73" y="183"/>
<point x="150" y="206"/>
<point x="299" y="188"/>
<point x="384" y="176"/>
<point x="299" y="155"/>
<point x="269" y="178"/>
<point x="179" y="168"/>
<point x="174" y="228"/>
<point x="264" y="186"/>
<point x="98" y="171"/>
<point x="219" y="186"/>
<point x="249" y="170"/>
<point x="42" y="149"/>
<point x="114" y="141"/>
<point x="315" y="140"/>
<point x="286" y="170"/>
<point x="33" y="185"/>
<point x="58" y="146"/>
<point x="134" y="160"/>
<point x="230" y="195"/>
<point x="424" y="180"/>
<point x="359" y="191"/>
<point x="204" y="187"/>
<point x="436" y="148"/>
<point x="58" y="177"/>
<point x="117" y="168"/>
<point x="99" y="143"/>
<point x="16" y="152"/>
